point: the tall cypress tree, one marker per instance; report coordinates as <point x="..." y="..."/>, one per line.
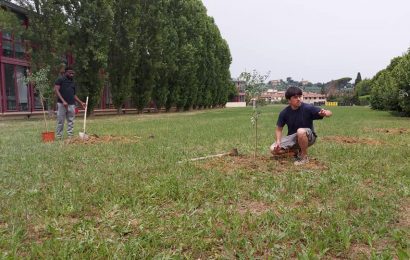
<point x="48" y="36"/>
<point x="358" y="79"/>
<point x="123" y="54"/>
<point x="90" y="28"/>
<point x="149" y="52"/>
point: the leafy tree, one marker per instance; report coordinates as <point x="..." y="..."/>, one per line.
<point x="90" y="27"/>
<point x="48" y="36"/>
<point x="168" y="47"/>
<point x="363" y="87"/>
<point x="122" y="54"/>
<point x="149" y="51"/>
<point x="402" y="75"/>
<point x="168" y="51"/>
<point x="10" y="23"/>
<point x="224" y="76"/>
<point x="385" y="92"/>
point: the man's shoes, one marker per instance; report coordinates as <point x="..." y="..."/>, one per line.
<point x="301" y="161"/>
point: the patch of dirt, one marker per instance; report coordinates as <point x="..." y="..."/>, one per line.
<point x="95" y="139"/>
<point x="404" y="217"/>
<point x="396" y="131"/>
<point x="254" y="207"/>
<point x="3" y="225"/>
<point x="351" y="140"/>
<point x="37" y="233"/>
<point x="313" y="164"/>
<point x="360" y="251"/>
<point x="261" y="164"/>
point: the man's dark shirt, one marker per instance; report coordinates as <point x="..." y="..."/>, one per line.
<point x="67" y="89"/>
<point x="300" y="118"/>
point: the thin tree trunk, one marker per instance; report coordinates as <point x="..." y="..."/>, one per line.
<point x="44" y="112"/>
<point x="256" y="137"/>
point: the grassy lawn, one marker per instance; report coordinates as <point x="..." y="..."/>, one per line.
<point x="129" y="197"/>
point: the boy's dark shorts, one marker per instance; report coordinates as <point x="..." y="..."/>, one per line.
<point x="291" y="142"/>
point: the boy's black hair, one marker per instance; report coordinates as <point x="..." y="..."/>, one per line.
<point x="68" y="68"/>
<point x="293" y="91"/>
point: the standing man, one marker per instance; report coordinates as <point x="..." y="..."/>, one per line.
<point x="65" y="89"/>
<point x="299" y="117"/>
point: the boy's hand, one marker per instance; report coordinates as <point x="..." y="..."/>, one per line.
<point x="277" y="146"/>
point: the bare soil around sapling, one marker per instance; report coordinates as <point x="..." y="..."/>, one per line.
<point x="351" y="140"/>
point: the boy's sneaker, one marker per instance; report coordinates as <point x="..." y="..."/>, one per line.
<point x="301" y="161"/>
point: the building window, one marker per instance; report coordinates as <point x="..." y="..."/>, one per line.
<point x="7" y="48"/>
<point x="17" y="94"/>
<point x="10" y="88"/>
<point x="13" y="46"/>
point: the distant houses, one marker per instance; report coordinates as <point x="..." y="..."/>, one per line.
<point x="274" y="96"/>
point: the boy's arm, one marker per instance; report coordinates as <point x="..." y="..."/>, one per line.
<point x="325" y="113"/>
<point x="278" y="133"/>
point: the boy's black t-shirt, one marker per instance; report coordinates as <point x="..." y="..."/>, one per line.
<point x="67" y="90"/>
<point x="300" y="118"/>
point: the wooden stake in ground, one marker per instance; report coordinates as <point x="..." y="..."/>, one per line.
<point x="233" y="152"/>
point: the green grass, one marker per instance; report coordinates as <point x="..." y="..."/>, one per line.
<point x="133" y="200"/>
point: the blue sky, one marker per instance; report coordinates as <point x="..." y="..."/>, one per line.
<point x="315" y="40"/>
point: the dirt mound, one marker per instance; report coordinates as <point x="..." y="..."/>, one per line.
<point x="95" y="139"/>
<point x="396" y="131"/>
<point x="351" y="140"/>
<point x="261" y="164"/>
<point x="254" y="207"/>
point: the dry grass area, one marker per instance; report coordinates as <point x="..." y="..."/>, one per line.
<point x="95" y="139"/>
<point x="254" y="207"/>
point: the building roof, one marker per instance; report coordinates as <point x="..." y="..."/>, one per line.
<point x="13" y="7"/>
<point x="313" y="95"/>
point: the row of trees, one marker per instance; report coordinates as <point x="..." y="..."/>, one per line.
<point x="168" y="51"/>
<point x="389" y="89"/>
